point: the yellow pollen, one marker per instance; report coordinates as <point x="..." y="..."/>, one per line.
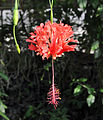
<point x="59" y="98"/>
<point x="57" y="90"/>
<point x="49" y="52"/>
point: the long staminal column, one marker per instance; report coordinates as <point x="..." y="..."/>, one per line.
<point x="54" y="93"/>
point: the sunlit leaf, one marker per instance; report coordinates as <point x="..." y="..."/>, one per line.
<point x="100" y="9"/>
<point x="90" y="100"/>
<point x="82" y="3"/>
<point x="82" y="79"/>
<point x="95" y="45"/>
<point x="77" y="90"/>
<point x="2" y="107"/>
<point x="4" y="116"/>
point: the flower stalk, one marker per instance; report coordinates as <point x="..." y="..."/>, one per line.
<point x="53" y="94"/>
<point x="51" y="6"/>
<point x="15" y="22"/>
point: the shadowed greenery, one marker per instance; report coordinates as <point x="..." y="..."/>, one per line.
<point x="79" y="74"/>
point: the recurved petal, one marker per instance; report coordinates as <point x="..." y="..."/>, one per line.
<point x="32" y="41"/>
<point x="31" y="47"/>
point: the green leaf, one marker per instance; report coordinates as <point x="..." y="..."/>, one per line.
<point x="91" y="90"/>
<point x="82" y="3"/>
<point x="77" y="90"/>
<point x="95" y="45"/>
<point x="2" y="107"/>
<point x="4" y="76"/>
<point x="4" y="116"/>
<point x="101" y="90"/>
<point x="97" y="53"/>
<point x="82" y="79"/>
<point x="90" y="100"/>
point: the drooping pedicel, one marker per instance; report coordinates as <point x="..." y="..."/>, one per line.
<point x="51" y="39"/>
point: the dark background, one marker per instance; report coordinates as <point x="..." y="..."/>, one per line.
<point x="79" y="74"/>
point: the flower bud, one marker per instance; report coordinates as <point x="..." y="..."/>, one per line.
<point x="15" y="17"/>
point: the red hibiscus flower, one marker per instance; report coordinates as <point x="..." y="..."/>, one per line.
<point x="51" y="39"/>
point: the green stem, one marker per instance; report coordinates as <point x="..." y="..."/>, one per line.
<point x="17" y="46"/>
<point x="51" y="6"/>
<point x="15" y="21"/>
<point x="16" y="4"/>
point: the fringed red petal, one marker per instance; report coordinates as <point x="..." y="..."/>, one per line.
<point x="52" y="37"/>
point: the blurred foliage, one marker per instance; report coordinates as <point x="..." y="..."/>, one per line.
<point x="3" y="107"/>
<point x="3" y="76"/>
<point x="40" y="112"/>
<point x="79" y="74"/>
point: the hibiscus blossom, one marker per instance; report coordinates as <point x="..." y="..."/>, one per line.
<point x="51" y="39"/>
